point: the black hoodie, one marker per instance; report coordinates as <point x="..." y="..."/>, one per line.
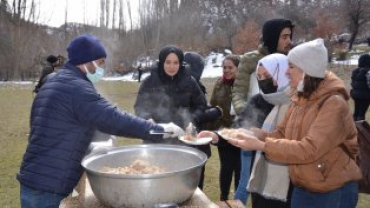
<point x="271" y="33"/>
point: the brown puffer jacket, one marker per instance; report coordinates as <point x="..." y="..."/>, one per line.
<point x="320" y="139"/>
<point x="247" y="65"/>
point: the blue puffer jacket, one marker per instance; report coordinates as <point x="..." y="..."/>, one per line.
<point x="65" y="113"/>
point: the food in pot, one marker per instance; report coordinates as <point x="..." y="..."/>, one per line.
<point x="137" y="167"/>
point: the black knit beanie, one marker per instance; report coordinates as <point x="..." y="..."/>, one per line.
<point x="271" y="33"/>
<point x="52" y="59"/>
<point x="364" y="61"/>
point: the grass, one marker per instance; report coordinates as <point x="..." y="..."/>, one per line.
<point x="15" y="107"/>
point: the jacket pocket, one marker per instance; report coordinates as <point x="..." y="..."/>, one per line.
<point x="310" y="172"/>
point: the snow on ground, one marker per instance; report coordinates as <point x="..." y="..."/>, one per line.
<point x="127" y="77"/>
<point x="213" y="66"/>
<point x="352" y="61"/>
<point x="212" y="69"/>
<point x="16" y="83"/>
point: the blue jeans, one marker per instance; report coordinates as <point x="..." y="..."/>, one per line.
<point x="241" y="192"/>
<point x="31" y="198"/>
<point x="343" y="197"/>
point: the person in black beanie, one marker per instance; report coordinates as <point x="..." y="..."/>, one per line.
<point x="195" y="64"/>
<point x="360" y="83"/>
<point x="52" y="62"/>
<point x="65" y="114"/>
<point x="276" y="38"/>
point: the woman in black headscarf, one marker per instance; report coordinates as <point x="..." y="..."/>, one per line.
<point x="170" y="94"/>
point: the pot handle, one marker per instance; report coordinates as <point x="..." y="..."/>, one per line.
<point x="100" y="150"/>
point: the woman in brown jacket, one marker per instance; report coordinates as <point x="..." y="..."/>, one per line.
<point x="317" y="138"/>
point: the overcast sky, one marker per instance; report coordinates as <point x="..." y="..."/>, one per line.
<point x="52" y="12"/>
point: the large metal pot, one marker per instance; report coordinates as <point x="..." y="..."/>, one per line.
<point x="183" y="170"/>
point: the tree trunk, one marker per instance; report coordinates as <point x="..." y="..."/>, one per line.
<point x="353" y="38"/>
<point x="102" y="13"/>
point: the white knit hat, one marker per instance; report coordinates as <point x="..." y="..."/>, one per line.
<point x="311" y="57"/>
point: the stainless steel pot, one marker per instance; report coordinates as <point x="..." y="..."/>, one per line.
<point x="176" y="185"/>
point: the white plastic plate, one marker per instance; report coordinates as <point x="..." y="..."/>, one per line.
<point x="198" y="141"/>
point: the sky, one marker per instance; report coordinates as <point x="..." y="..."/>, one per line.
<point x="52" y="12"/>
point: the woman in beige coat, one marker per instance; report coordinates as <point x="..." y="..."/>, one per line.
<point x="317" y="138"/>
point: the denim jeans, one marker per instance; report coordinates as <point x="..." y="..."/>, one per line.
<point x="241" y="192"/>
<point x="343" y="197"/>
<point x="31" y="198"/>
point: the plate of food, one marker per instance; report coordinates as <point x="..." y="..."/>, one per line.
<point x="228" y="133"/>
<point x="190" y="136"/>
<point x="189" y="139"/>
<point x="233" y="133"/>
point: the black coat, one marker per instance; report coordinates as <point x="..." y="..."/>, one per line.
<point x="44" y="73"/>
<point x="176" y="99"/>
<point x="360" y="88"/>
<point x="254" y="113"/>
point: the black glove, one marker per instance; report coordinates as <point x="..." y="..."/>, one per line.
<point x="212" y="114"/>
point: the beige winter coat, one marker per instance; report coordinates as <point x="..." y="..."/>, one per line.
<point x="319" y="139"/>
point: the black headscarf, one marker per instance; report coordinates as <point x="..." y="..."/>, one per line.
<point x="162" y="58"/>
<point x="271" y="33"/>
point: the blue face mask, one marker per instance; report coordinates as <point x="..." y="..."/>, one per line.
<point x="97" y="76"/>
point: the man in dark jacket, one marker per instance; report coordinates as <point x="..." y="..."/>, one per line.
<point x="139" y="72"/>
<point x="52" y="62"/>
<point x="276" y="38"/>
<point x="65" y="114"/>
<point x="360" y="91"/>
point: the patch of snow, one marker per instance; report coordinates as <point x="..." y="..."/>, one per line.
<point x="227" y="51"/>
<point x="353" y="61"/>
<point x="130" y="77"/>
<point x="16" y="83"/>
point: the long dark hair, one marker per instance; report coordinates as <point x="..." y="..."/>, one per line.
<point x="310" y="85"/>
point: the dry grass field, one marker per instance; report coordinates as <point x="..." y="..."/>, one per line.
<point x="15" y="104"/>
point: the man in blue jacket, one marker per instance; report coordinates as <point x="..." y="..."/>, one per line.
<point x="64" y="115"/>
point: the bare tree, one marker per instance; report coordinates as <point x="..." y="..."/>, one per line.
<point x="358" y="12"/>
<point x="121" y="24"/>
<point x="102" y="13"/>
<point x="107" y="12"/>
<point x="129" y="14"/>
<point x="65" y="23"/>
<point x="114" y="14"/>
